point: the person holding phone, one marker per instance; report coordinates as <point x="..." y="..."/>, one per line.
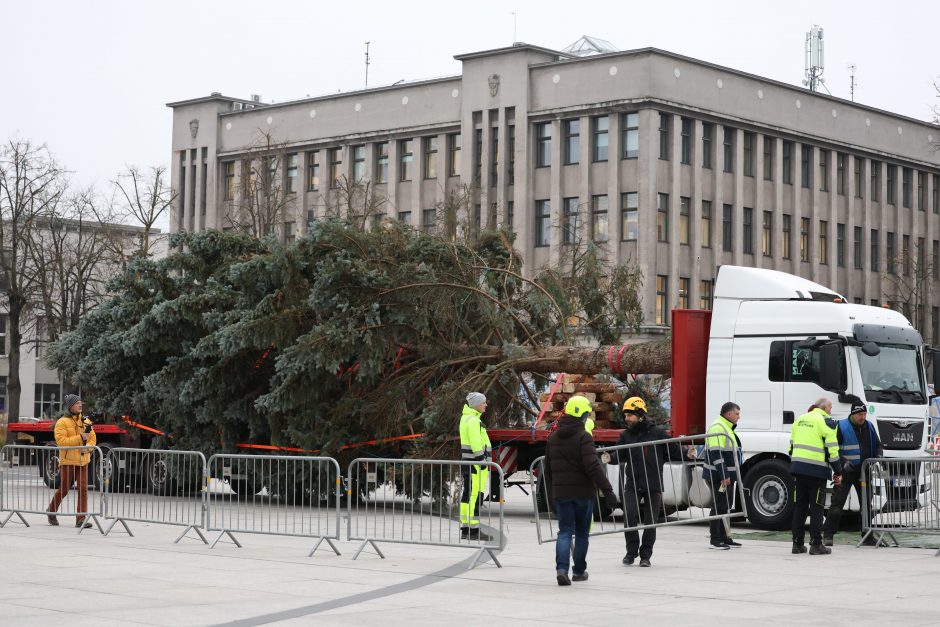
<point x="73" y="430"/>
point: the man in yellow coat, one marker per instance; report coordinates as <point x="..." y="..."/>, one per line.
<point x="73" y="430"/>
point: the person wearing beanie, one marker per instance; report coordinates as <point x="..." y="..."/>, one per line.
<point x="858" y="441"/>
<point x="474" y="447"/>
<point x="73" y="430"/>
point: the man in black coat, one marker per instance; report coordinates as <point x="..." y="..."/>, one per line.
<point x="573" y="475"/>
<point x="641" y="478"/>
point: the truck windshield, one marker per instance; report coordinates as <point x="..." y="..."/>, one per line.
<point x="893" y="376"/>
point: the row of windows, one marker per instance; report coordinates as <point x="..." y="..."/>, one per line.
<point x="663" y="305"/>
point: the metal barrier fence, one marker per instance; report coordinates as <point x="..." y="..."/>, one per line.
<point x="902" y="496"/>
<point x="274" y="495"/>
<point x="51" y="481"/>
<point x="654" y="481"/>
<point x="416" y="501"/>
<point x="176" y="478"/>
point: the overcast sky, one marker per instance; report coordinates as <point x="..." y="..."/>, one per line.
<point x="91" y="78"/>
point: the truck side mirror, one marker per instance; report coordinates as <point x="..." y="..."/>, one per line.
<point x="831" y="367"/>
<point x="936" y="370"/>
<point x="871" y="349"/>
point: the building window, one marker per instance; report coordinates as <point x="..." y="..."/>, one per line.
<point x="289" y="232"/>
<point x="47" y="400"/>
<point x="510" y="215"/>
<point x="874" y="250"/>
<point x="430" y="157"/>
<point x="629" y="216"/>
<point x="708" y="132"/>
<point x="705" y="294"/>
<point x="662" y="217"/>
<point x="684" y="217"/>
<point x="686" y="140"/>
<point x="599" y="207"/>
<point x="228" y="174"/>
<point x="935" y="327"/>
<point x="906" y="254"/>
<point x="543" y="144"/>
<point x="858" y="176"/>
<point x="857" y="248"/>
<point x="806" y="155"/>
<point x="478" y="156"/>
<point x="572" y="136"/>
<point x="494" y="156"/>
<point x="788" y="162"/>
<point x="569" y="232"/>
<point x="907" y="176"/>
<point x="683" y="300"/>
<point x="823" y="170"/>
<point x="359" y="163"/>
<point x="840" y="173"/>
<point x="662" y="299"/>
<point x="787" y="234"/>
<point x="453" y="151"/>
<point x="921" y="270"/>
<point x="336" y="166"/>
<point x="804" y="239"/>
<point x="406" y="159"/>
<point x="823" y="242"/>
<point x="768" y="158"/>
<point x="542" y="217"/>
<point x="922" y="191"/>
<point x="665" y="120"/>
<point x="381" y="162"/>
<point x="840" y="244"/>
<point x="291" y="173"/>
<point x="727" y="227"/>
<point x="935" y="261"/>
<point x="889" y="249"/>
<point x="935" y="202"/>
<point x="875" y="181"/>
<point x="404" y="217"/>
<point x="631" y="135"/>
<point x="706" y="225"/>
<point x="428" y="219"/>
<point x="748" y="231"/>
<point x="892" y="184"/>
<point x="766" y="240"/>
<point x="511" y="136"/>
<point x="748" y="154"/>
<point x="600" y="140"/>
<point x="728" y="147"/>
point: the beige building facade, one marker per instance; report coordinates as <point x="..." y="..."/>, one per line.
<point x="670" y="162"/>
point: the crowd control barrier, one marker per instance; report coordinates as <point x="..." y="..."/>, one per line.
<point x="31" y="476"/>
<point x="274" y="495"/>
<point x="156" y="486"/>
<point x="901" y="496"/>
<point x="417" y="501"/>
<point x="646" y="498"/>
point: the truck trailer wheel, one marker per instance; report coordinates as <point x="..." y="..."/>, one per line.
<point x="769" y="493"/>
<point x="49" y="466"/>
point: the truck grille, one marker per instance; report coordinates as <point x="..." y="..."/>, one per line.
<point x="901" y="434"/>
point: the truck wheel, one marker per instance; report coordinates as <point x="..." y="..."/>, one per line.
<point x="769" y="490"/>
<point x="49" y="466"/>
<point x="107" y="471"/>
<point x="157" y="476"/>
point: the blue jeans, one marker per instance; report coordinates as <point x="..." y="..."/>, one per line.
<point x="574" y="518"/>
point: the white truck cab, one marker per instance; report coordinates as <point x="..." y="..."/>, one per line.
<point x="779" y="342"/>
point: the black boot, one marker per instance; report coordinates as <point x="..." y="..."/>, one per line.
<point x="798" y="547"/>
<point x="819" y="549"/>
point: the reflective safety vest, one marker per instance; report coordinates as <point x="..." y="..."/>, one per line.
<point x="850" y="451"/>
<point x="474" y="442"/>
<point x="723" y="451"/>
<point x="814" y="446"/>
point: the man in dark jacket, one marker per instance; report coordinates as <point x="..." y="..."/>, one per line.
<point x="641" y="477"/>
<point x="573" y="475"/>
<point x="858" y="441"/>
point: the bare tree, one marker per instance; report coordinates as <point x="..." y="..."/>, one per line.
<point x="30" y="182"/>
<point x="908" y="285"/>
<point x="356" y="201"/>
<point x="264" y="200"/>
<point x="139" y="196"/>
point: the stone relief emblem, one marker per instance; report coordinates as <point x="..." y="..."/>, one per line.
<point x="194" y="128"/>
<point x="494" y="84"/>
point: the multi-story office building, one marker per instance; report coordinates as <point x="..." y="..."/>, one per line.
<point x="671" y="162"/>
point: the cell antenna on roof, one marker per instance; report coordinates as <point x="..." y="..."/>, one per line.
<point x="814" y="59"/>
<point x="367" y="65"/>
<point x="514" y="27"/>
<point x="852" y="81"/>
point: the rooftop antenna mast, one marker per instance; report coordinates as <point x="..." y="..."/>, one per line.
<point x="367" y="65"/>
<point x="814" y="59"/>
<point x="514" y="16"/>
<point x="852" y="81"/>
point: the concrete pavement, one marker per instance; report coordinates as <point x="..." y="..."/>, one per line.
<point x="51" y="574"/>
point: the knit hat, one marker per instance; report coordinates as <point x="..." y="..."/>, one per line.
<point x="475" y="398"/>
<point x="69" y="400"/>
<point x="857" y="405"/>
